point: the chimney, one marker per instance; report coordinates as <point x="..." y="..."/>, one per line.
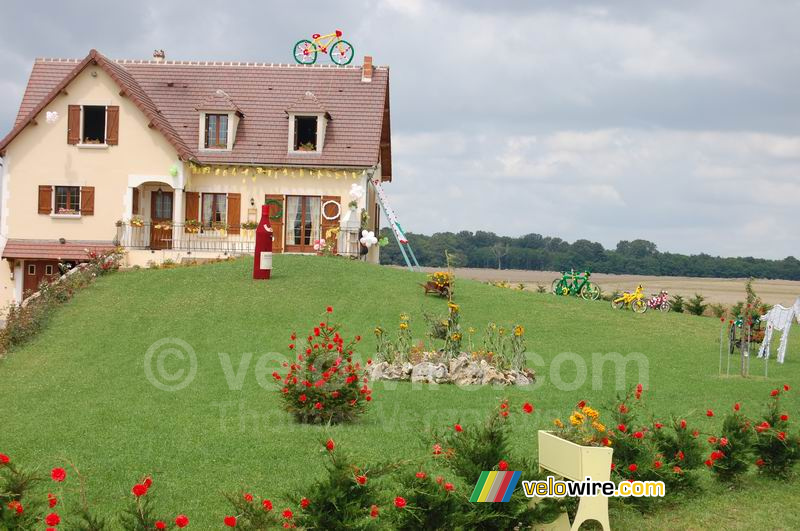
<point x="159" y="55"/>
<point x="366" y="70"/>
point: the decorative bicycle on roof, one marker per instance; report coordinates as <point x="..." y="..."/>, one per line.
<point x="340" y="51"/>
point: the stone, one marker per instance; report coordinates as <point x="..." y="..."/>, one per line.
<point x="427" y="372"/>
<point x="493" y="376"/>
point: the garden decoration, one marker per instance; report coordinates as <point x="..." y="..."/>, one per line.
<point x="262" y="257"/>
<point x="660" y="301"/>
<point x="439" y="283"/>
<point x="779" y="318"/>
<point x="279" y="214"/>
<point x="340" y="51"/>
<point x="574" y="283"/>
<point x="51" y="117"/>
<point x="635" y="300"/>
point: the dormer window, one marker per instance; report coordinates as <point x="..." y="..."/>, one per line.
<point x="216" y="130"/>
<point x="305" y="133"/>
<point x="94" y="124"/>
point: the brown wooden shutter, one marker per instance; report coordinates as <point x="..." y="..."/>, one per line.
<point x="74" y="124"/>
<point x="135" y="208"/>
<point x="112" y="125"/>
<point x="234" y="213"/>
<point x="192" y="207"/>
<point x="87" y="200"/>
<point x="277" y="224"/>
<point x="45" y="199"/>
<point x="331" y="211"/>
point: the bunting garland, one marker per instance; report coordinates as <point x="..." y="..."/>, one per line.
<point x="274" y="172"/>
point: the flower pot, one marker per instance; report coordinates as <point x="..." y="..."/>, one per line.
<point x="573" y="461"/>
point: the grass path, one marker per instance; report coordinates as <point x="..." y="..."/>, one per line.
<point x="79" y="390"/>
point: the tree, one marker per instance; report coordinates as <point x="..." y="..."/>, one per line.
<point x="500" y="250"/>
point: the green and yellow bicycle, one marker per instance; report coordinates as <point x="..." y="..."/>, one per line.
<point x="573" y="283"/>
<point x="635" y="300"/>
<point x="340" y="51"/>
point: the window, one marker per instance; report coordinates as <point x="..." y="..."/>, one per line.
<point x="302" y="223"/>
<point x="94" y="124"/>
<point x="68" y="200"/>
<point x="48" y="269"/>
<point x="305" y="133"/>
<point x="216" y="131"/>
<point x="215" y="210"/>
<point x="31" y="269"/>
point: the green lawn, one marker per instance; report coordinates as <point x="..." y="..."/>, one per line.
<point x="78" y="391"/>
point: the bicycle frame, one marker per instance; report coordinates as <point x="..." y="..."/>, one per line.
<point x="318" y="41"/>
<point x="628" y="297"/>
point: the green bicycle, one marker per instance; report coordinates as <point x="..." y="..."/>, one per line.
<point x="573" y="283"/>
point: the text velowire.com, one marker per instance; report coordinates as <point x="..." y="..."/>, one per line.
<point x="556" y="488"/>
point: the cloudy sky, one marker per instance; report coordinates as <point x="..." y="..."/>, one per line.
<point x="677" y="122"/>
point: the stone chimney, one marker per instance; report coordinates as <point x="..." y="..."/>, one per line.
<point x="366" y="70"/>
<point x="159" y="55"/>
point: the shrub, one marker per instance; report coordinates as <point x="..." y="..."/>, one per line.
<point x="695" y="305"/>
<point x="541" y="288"/>
<point x="732" y="449"/>
<point x="677" y="303"/>
<point x="777" y="450"/>
<point x="323" y="385"/>
<point x="718" y="310"/>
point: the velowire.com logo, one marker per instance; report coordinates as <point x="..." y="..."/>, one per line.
<point x="495" y="486"/>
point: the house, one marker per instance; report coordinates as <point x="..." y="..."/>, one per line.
<point x="173" y="160"/>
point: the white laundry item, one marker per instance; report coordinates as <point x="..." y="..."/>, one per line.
<point x="779" y="318"/>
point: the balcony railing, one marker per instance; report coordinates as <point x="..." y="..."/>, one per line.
<point x="154" y="235"/>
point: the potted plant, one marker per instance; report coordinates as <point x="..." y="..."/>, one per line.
<point x="163" y="225"/>
<point x="248" y="228"/>
<point x="136" y="221"/>
<point x="192" y="226"/>
<point x="577" y="450"/>
<point x="219" y="226"/>
<point x="307" y="146"/>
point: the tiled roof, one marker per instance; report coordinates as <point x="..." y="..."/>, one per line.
<point x="170" y="93"/>
<point x="306" y="103"/>
<point x="218" y="101"/>
<point x="53" y="249"/>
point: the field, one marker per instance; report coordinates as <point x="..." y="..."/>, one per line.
<point x="722" y="290"/>
<point x="79" y="390"/>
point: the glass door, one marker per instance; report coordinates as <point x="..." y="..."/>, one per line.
<point x="302" y="223"/>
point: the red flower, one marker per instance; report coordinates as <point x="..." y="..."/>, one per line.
<point x="368" y="398"/>
<point x="606" y="441"/>
<point x="230" y="521"/>
<point x="329" y="309"/>
<point x="581" y="404"/>
<point x="613" y="466"/>
<point x="421" y="474"/>
<point x="267" y="505"/>
<point x="181" y="521"/>
<point x="709" y="463"/>
<point x="683" y="424"/>
<point x="16" y="506"/>
<point x="774" y="392"/>
<point x="160" y="525"/>
<point x="657" y="464"/>
<point x="148" y="481"/>
<point x="677" y="469"/>
<point x="759" y="462"/>
<point x="695" y="433"/>
<point x="622" y="428"/>
<point x="52" y="519"/>
<point x="709" y="413"/>
<point x="302" y="398"/>
<point x="291" y="346"/>
<point x="638" y="435"/>
<point x="305" y="502"/>
<point x="248" y="497"/>
<point x="458" y="428"/>
<point x="449" y="487"/>
<point x="399" y="502"/>
<point x="318" y="405"/>
<point x="784" y="417"/>
<point x="527" y="408"/>
<point x="658" y="425"/>
<point x="723" y="442"/>
<point x="358" y="338"/>
<point x="373" y="511"/>
<point x="139" y="490"/>
<point x="502" y="465"/>
<point x="623" y="408"/>
<point x="316" y="331"/>
<point x="786" y="387"/>
<point x="330" y="445"/>
<point x="633" y="468"/>
<point x="680" y="455"/>
<point x="782" y="435"/>
<point x="504" y="413"/>
<point x="437" y="449"/>
<point x="4" y="459"/>
<point x="51" y="500"/>
<point x="287" y="513"/>
<point x="362" y="480"/>
<point x="717" y="455"/>
<point x="712" y="440"/>
<point x="736" y="406"/>
<point x="58" y="474"/>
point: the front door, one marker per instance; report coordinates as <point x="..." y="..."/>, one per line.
<point x="35" y="272"/>
<point x="302" y="223"/>
<point x="161" y="220"/>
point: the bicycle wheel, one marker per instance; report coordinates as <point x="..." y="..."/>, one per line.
<point x="555" y="287"/>
<point x="342" y="53"/>
<point x="639" y="306"/>
<point x="305" y="53"/>
<point x="590" y="291"/>
<point x="665" y="306"/>
<point x="618" y="304"/>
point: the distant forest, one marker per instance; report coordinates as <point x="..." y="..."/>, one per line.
<point x="536" y="252"/>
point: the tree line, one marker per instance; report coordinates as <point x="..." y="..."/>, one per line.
<point x="542" y="253"/>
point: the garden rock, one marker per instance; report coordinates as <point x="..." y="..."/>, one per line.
<point x="427" y="372"/>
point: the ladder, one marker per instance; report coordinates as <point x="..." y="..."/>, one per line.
<point x="397" y="230"/>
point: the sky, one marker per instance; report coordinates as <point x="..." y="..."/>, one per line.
<point x="677" y="122"/>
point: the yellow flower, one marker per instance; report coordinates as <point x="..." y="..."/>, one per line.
<point x="403" y="326"/>
<point x="558" y="423"/>
<point x="599" y="427"/>
<point x="471" y="330"/>
<point x="404" y="317"/>
<point x="456" y="336"/>
<point x="576" y="419"/>
<point x="378" y="331"/>
<point x="453" y="306"/>
<point x="591" y="413"/>
<point x="518" y="330"/>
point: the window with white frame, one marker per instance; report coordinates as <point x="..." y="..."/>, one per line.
<point x="215" y="210"/>
<point x="216" y="131"/>
<point x="94" y="124"/>
<point x="305" y="133"/>
<point x="67" y="200"/>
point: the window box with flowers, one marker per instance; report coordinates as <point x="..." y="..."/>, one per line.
<point x="192" y="226"/>
<point x="136" y="221"/>
<point x="249" y="229"/>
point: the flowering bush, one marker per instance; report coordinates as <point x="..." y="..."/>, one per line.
<point x="732" y="449"/>
<point x="777" y="450"/>
<point x="324" y="385"/>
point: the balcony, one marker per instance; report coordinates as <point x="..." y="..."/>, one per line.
<point x="217" y="239"/>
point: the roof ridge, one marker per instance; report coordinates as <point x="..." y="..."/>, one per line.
<point x="172" y="62"/>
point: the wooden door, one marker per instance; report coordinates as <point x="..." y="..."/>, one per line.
<point x="303" y="215"/>
<point x="161" y="220"/>
<point x="35" y="271"/>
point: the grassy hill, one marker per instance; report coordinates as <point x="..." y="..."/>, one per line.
<point x="78" y="391"/>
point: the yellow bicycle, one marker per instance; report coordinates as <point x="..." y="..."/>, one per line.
<point x="341" y="51"/>
<point x="635" y="300"/>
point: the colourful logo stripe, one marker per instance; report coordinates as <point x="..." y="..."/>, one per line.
<point x="511" y="485"/>
<point x="479" y="487"/>
<point x="487" y="486"/>
<point x="496" y="484"/>
<point x="501" y="491"/>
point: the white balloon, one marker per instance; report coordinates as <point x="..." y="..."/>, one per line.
<point x="356" y="191"/>
<point x="52" y="116"/>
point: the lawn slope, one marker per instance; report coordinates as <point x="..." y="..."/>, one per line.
<point x="78" y="391"/>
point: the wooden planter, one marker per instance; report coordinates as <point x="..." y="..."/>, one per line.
<point x="576" y="462"/>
